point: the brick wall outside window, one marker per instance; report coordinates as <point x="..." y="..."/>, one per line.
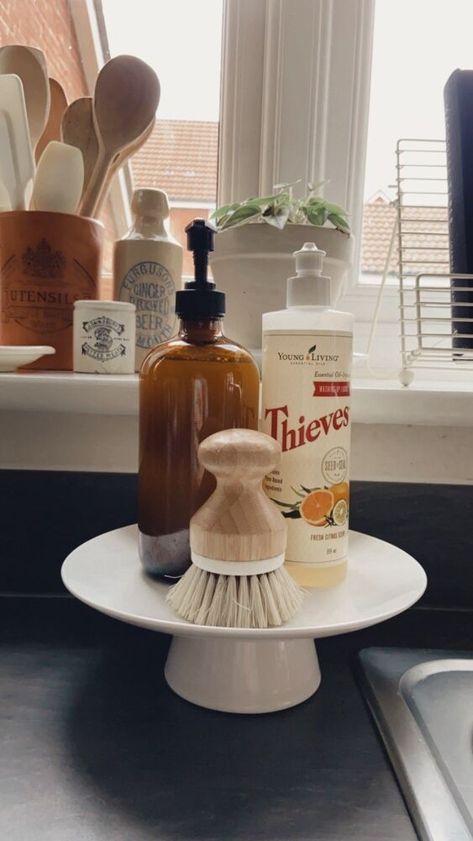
<point x="46" y="24"/>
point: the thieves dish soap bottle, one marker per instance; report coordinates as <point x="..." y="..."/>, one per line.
<point x="307" y="353"/>
<point x="196" y="384"/>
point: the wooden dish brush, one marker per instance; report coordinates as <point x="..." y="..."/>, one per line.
<point x="238" y="539"/>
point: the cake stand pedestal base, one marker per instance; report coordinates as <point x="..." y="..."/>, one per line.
<point x="243" y="676"/>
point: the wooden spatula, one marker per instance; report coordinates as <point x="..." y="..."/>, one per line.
<point x="126" y="97"/>
<point x="28" y="63"/>
<point x="57" y="107"/>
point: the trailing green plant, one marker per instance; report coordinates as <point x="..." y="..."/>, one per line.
<point x="282" y="208"/>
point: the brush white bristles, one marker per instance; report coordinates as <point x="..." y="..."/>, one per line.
<point x="230" y="601"/>
<point x="237" y="539"/>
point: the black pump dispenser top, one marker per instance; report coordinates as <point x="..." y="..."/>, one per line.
<point x="199" y="299"/>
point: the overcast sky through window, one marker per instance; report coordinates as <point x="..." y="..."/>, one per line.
<point x="181" y="40"/>
<point x="417" y="44"/>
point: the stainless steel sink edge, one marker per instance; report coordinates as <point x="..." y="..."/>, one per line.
<point x="433" y="809"/>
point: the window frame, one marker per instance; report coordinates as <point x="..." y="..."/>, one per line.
<point x="282" y="65"/>
<point x="308" y="65"/>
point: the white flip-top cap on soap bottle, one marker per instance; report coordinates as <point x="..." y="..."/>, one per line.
<point x="309" y="287"/>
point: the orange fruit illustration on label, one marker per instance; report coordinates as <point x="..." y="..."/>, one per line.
<point x="341" y="491"/>
<point x="316" y="507"/>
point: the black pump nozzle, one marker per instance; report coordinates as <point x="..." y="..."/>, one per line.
<point x="200" y="240"/>
<point x="199" y="299"/>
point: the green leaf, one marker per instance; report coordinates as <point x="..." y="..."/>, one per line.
<point x="294" y="515"/>
<point x="221" y="214"/>
<point x="264" y="200"/>
<point x="315" y="201"/>
<point x="278" y="218"/>
<point x="223" y="210"/>
<point x="242" y="214"/>
<point x="335" y="208"/>
<point x="316" y="215"/>
<point x="340" y="222"/>
<point x="279" y="209"/>
<point x="262" y="203"/>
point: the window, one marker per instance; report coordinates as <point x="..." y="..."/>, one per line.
<point x="256" y="93"/>
<point x="181" y="40"/>
<point x="416" y="47"/>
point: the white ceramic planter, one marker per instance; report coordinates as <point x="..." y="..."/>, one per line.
<point x="251" y="264"/>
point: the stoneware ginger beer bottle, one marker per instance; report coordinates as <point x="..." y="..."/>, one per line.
<point x="307" y="354"/>
<point x="198" y="383"/>
<point x="147" y="268"/>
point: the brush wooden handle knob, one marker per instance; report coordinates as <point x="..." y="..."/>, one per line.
<point x="238" y="522"/>
<point x="237" y="453"/>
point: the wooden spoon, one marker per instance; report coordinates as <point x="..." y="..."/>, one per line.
<point x="78" y="130"/>
<point x="57" y="107"/>
<point x="126" y="97"/>
<point x="29" y="64"/>
<point x="120" y="159"/>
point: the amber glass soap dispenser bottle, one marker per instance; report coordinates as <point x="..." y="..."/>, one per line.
<point x="193" y="385"/>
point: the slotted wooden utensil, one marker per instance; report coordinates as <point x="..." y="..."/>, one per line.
<point x="57" y="107"/>
<point x="126" y="97"/>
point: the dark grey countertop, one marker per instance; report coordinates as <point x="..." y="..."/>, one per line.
<point x="95" y="747"/>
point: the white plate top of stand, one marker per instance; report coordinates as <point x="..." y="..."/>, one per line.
<point x="382" y="581"/>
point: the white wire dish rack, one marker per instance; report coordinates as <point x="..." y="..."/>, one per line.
<point x="427" y="316"/>
<point x="435" y="319"/>
<point x="431" y="319"/>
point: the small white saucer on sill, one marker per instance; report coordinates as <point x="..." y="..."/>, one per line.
<point x="244" y="670"/>
<point x="14" y="356"/>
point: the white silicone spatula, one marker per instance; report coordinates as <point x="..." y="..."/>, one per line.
<point x="13" y="109"/>
<point x="59" y="179"/>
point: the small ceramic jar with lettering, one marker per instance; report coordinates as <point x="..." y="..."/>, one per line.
<point x="104" y="337"/>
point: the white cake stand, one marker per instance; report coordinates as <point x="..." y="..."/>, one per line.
<point x="244" y="670"/>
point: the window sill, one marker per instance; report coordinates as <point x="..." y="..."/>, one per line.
<point x="81" y="422"/>
<point x="62" y="391"/>
<point x="424" y="403"/>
